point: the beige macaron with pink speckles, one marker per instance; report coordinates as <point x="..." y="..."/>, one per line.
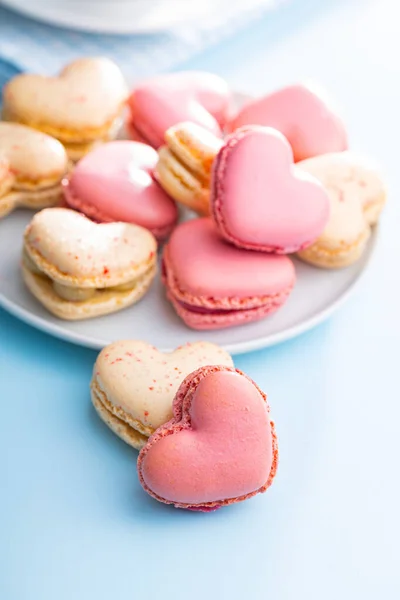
<point x="81" y="107"/>
<point x="185" y="163"/>
<point x="79" y="269"/>
<point x="32" y="166"/>
<point x="134" y="384"/>
<point x="357" y="195"/>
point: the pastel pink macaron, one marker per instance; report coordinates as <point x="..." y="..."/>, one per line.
<point x="219" y="448"/>
<point x="114" y="183"/>
<point x="159" y="103"/>
<point x="259" y="199"/>
<point x="212" y="284"/>
<point x="303" y="114"/>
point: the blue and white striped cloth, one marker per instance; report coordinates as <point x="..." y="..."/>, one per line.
<point x="38" y="47"/>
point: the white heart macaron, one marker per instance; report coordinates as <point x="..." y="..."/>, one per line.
<point x="79" y="269"/>
<point x="32" y="166"/>
<point x="134" y="384"/>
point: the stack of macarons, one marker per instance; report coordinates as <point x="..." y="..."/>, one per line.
<point x="271" y="178"/>
<point x="203" y="428"/>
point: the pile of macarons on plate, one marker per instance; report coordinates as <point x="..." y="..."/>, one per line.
<point x="179" y="221"/>
<point x="174" y="213"/>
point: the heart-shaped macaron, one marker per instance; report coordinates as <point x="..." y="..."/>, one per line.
<point x="259" y="199"/>
<point x="134" y="384"/>
<point x="212" y="284"/>
<point x="79" y="269"/>
<point x="357" y="195"/>
<point x="159" y="103"/>
<point x="219" y="448"/>
<point x="32" y="166"/>
<point x="79" y="106"/>
<point x="114" y="183"/>
<point x="185" y="164"/>
<point x="303" y="114"/>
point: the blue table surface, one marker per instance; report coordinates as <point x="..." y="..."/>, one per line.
<point x="74" y="522"/>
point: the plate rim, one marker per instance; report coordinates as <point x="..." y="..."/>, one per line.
<point x="245" y="347"/>
<point x="63" y="18"/>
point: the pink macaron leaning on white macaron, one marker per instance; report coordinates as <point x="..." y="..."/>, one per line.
<point x="134" y="384"/>
<point x="219" y="448"/>
<point x="260" y="200"/>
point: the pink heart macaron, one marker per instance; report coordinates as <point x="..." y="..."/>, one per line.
<point x="114" y="183"/>
<point x="304" y="116"/>
<point x="259" y="199"/>
<point x="159" y="103"/>
<point x="212" y="284"/>
<point x="219" y="448"/>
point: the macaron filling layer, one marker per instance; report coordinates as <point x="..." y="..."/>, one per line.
<point x="66" y="134"/>
<point x="129" y="429"/>
<point x="182" y="183"/>
<point x="78" y="294"/>
<point x="53" y="191"/>
<point x="6" y="183"/>
<point x="201" y="310"/>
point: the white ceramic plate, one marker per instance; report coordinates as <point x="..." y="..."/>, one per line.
<point x="124" y="16"/>
<point x="317" y="294"/>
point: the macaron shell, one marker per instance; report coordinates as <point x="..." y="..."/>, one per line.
<point x="260" y="200"/>
<point x="88" y="93"/>
<point x="303" y="115"/>
<point x="140" y="383"/>
<point x="67" y="245"/>
<point x="206" y="266"/>
<point x="35" y="159"/>
<point x="167" y="100"/>
<point x="114" y="182"/>
<point x="219" y="448"/>
<point x="221" y="319"/>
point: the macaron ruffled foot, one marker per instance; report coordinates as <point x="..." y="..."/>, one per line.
<point x="213" y="285"/>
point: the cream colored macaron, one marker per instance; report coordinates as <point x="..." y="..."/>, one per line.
<point x="185" y="162"/>
<point x="79" y="269"/>
<point x="134" y="384"/>
<point x="81" y="106"/>
<point x="357" y="195"/>
<point x="32" y="165"/>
